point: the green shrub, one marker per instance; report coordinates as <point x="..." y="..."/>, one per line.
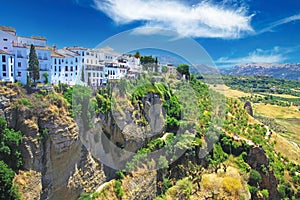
<point x="118" y="189"/>
<point x="255" y="177"/>
<point x="253" y="190"/>
<point x="8" y="190"/>
<point x="265" y="193"/>
<point x="120" y="174"/>
<point x="25" y="102"/>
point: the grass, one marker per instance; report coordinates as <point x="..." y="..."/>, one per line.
<point x="276" y="111"/>
<point x="227" y="91"/>
<point x="285" y="147"/>
<point x="282" y="95"/>
<point x="288" y="117"/>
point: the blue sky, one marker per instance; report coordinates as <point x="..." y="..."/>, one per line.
<point x="231" y="31"/>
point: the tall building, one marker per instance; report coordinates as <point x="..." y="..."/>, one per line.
<point x="7" y="37"/>
<point x="21" y="50"/>
<point x="66" y="66"/>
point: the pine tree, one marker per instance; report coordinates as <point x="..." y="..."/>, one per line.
<point x="34" y="69"/>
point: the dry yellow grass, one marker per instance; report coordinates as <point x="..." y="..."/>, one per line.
<point x="276" y="111"/>
<point x="227" y="91"/>
<point x="287" y="149"/>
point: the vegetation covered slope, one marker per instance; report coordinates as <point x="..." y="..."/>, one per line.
<point x="242" y="162"/>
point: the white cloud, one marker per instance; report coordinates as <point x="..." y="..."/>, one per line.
<point x="204" y="19"/>
<point x="279" y="23"/>
<point x="275" y="55"/>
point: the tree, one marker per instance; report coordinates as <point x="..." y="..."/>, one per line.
<point x="137" y="54"/>
<point x="184" y="69"/>
<point x="164" y="69"/>
<point x="34" y="69"/>
<point x="7" y="189"/>
<point x="9" y="142"/>
<point x="46" y="77"/>
<point x="255" y="177"/>
<point x="147" y="59"/>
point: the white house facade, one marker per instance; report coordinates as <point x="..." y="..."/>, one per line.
<point x="6" y="66"/>
<point x="71" y="65"/>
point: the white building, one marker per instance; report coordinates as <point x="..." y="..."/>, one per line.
<point x="7" y="37"/>
<point x="21" y="52"/>
<point x="6" y="66"/>
<point x="66" y="66"/>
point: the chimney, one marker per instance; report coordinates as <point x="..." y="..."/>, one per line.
<point x="54" y="47"/>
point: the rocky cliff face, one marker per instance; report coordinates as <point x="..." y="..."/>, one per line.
<point x="51" y="146"/>
<point x="258" y="160"/>
<point x="118" y="134"/>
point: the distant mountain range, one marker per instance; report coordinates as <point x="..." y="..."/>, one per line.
<point x="282" y="71"/>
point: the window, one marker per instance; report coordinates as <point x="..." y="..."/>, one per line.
<point x="39" y="56"/>
<point x="55" y="61"/>
<point x="5" y="48"/>
<point x="4" y="74"/>
<point x="59" y="61"/>
<point x="3" y="68"/>
<point x="11" y="59"/>
<point x="87" y="60"/>
<point x="71" y="68"/>
<point x="19" y="64"/>
<point x="82" y="53"/>
<point x="19" y="55"/>
<point x="82" y="60"/>
<point x="66" y="68"/>
<point x="3" y="58"/>
<point x="76" y="59"/>
<point x="76" y="68"/>
<point x="19" y="74"/>
<point x="4" y="39"/>
<point x="59" y="69"/>
<point x="66" y="75"/>
<point x="55" y="68"/>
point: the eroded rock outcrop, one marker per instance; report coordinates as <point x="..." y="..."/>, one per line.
<point x="259" y="161"/>
<point x="51" y="146"/>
